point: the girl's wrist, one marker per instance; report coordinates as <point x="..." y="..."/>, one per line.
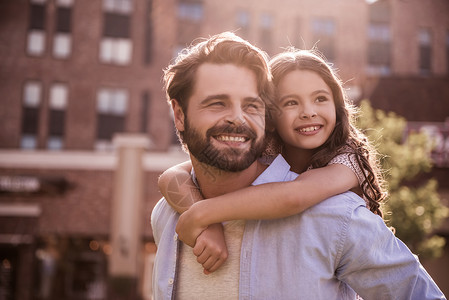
<point x="199" y="214"/>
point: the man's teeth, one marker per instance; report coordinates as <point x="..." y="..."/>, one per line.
<point x="308" y="129"/>
<point x="227" y="138"/>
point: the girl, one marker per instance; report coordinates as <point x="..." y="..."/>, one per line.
<point x="314" y="131"/>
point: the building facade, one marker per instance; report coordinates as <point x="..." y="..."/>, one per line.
<point x="75" y="74"/>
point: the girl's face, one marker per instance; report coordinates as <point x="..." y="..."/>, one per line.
<point x="307" y="107"/>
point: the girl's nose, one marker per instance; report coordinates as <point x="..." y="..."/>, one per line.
<point x="307" y="112"/>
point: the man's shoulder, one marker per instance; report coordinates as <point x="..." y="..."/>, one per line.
<point x="348" y="197"/>
<point x="332" y="219"/>
<point x="162" y="209"/>
<point x="162" y="213"/>
<point x="340" y="204"/>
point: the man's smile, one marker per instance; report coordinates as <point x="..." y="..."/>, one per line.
<point x="231" y="138"/>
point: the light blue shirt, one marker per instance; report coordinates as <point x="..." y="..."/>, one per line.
<point x="327" y="252"/>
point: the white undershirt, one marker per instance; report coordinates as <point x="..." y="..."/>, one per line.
<point x="192" y="283"/>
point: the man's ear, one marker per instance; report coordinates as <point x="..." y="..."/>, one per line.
<point x="178" y="115"/>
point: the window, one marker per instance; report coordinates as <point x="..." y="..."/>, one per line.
<point x="425" y="51"/>
<point x="116" y="50"/>
<point x="379" y="39"/>
<point x="56" y="122"/>
<point x="111" y="112"/>
<point x="118" y="6"/>
<point x="62" y="45"/>
<point x="36" y="29"/>
<point x="324" y="34"/>
<point x="190" y="10"/>
<point x="266" y="33"/>
<point x="32" y="95"/>
<point x="116" y="45"/>
<point x="243" y="21"/>
<point x="36" y="42"/>
<point x="379" y="45"/>
<point x="62" y="40"/>
<point x="190" y="17"/>
<point x="65" y="3"/>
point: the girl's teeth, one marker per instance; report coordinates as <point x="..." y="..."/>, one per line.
<point x="308" y="129"/>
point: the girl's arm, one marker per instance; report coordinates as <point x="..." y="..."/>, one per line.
<point x="177" y="187"/>
<point x="268" y="201"/>
<point x="180" y="192"/>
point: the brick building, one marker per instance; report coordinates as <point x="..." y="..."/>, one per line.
<point x="74" y="73"/>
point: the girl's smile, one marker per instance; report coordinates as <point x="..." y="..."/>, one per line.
<point x="309" y="129"/>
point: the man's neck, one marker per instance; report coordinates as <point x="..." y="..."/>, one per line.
<point x="214" y="182"/>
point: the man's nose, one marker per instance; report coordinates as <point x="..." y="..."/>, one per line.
<point x="235" y="116"/>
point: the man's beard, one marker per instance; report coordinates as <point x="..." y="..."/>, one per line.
<point x="226" y="158"/>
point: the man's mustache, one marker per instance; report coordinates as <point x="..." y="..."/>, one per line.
<point x="229" y="128"/>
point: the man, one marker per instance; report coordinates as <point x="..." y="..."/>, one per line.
<point x="219" y="91"/>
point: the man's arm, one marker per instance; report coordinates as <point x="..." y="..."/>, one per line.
<point x="377" y="265"/>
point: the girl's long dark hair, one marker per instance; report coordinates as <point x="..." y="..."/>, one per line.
<point x="345" y="138"/>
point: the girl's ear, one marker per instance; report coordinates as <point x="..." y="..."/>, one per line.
<point x="178" y="115"/>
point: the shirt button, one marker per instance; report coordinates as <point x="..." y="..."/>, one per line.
<point x="170" y="281"/>
<point x="175" y="237"/>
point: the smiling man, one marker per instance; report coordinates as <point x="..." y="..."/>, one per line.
<point x="218" y="91"/>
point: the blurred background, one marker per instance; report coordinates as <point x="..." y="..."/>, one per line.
<point x="85" y="129"/>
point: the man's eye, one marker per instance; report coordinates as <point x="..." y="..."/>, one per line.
<point x="216" y="103"/>
<point x="255" y="106"/>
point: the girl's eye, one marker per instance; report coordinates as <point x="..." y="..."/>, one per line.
<point x="321" y="99"/>
<point x="290" y="103"/>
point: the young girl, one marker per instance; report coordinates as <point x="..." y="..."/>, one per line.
<point x="314" y="131"/>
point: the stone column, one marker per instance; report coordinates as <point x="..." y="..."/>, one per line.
<point x="125" y="263"/>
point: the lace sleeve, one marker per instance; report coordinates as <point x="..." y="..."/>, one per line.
<point x="272" y="148"/>
<point x="349" y="160"/>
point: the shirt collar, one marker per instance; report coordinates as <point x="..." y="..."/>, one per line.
<point x="277" y="171"/>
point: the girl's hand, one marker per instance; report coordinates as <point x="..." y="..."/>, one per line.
<point x="208" y="242"/>
<point x="210" y="248"/>
<point x="189" y="227"/>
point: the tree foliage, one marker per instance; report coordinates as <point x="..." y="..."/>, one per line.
<point x="413" y="207"/>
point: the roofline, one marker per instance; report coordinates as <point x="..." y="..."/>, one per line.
<point x="84" y="160"/>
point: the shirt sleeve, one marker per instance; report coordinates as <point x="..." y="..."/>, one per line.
<point x="159" y="218"/>
<point x="377" y="265"/>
